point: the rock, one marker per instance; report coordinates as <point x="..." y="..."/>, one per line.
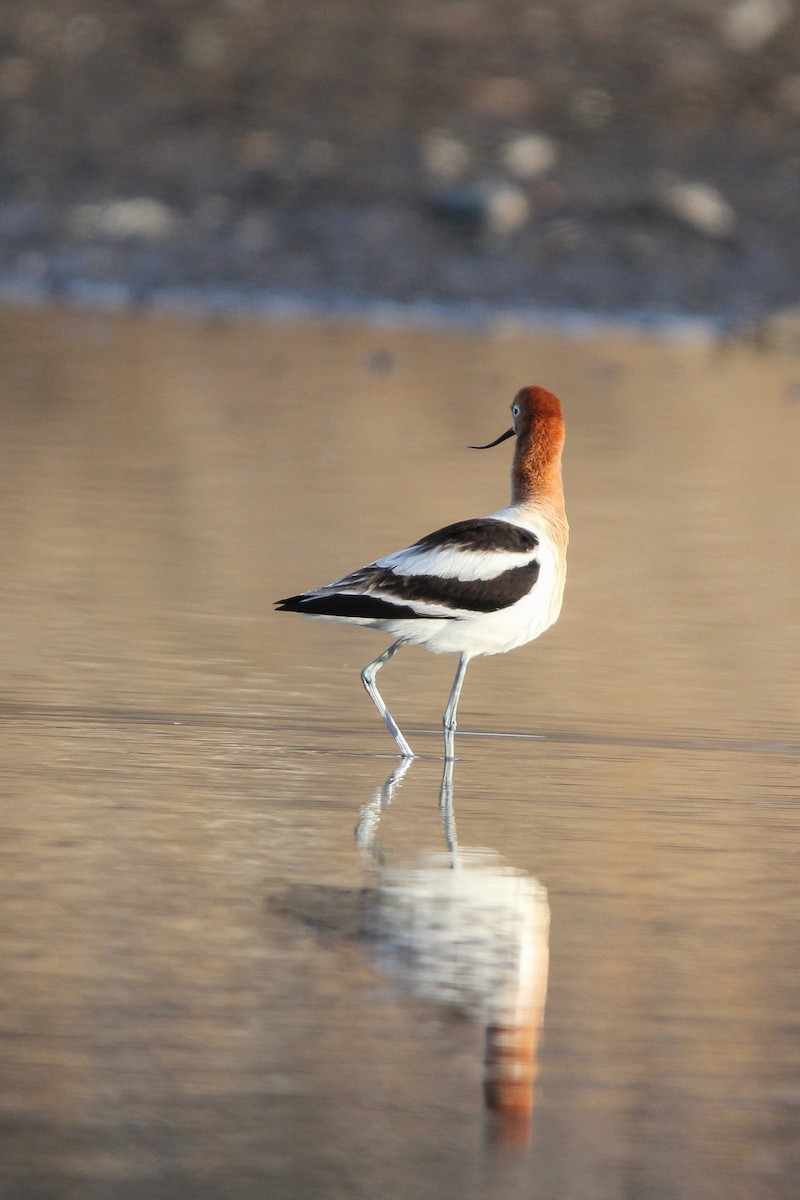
<point x="445" y="158"/>
<point x="498" y="208"/>
<point x="699" y="206"/>
<point x="529" y="155"/>
<point x="139" y="217"/>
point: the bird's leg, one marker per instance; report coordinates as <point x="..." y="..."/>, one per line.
<point x="368" y="679"/>
<point x="449" y="719"/>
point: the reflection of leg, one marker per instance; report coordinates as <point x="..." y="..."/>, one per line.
<point x="449" y="720"/>
<point x="368" y="678"/>
<point x="367" y="828"/>
<point x="446" y="809"/>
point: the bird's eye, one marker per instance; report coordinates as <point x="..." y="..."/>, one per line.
<point x="515" y="410"/>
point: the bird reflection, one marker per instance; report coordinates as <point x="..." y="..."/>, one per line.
<point x="464" y="928"/>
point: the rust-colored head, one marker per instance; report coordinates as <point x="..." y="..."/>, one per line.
<point x="535" y="411"/>
<point x="534" y="405"/>
<point x="539" y="429"/>
<point x="539" y="426"/>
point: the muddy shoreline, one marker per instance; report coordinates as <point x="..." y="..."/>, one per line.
<point x="618" y="159"/>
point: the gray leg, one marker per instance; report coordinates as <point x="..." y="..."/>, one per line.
<point x="449" y="720"/>
<point x="368" y="678"/>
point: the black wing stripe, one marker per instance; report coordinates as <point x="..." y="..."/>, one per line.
<point x="480" y="535"/>
<point x="471" y="595"/>
<point x="346" y="604"/>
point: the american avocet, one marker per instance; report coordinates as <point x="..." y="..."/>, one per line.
<point x="482" y="586"/>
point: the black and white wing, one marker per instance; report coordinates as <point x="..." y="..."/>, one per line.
<point x="475" y="566"/>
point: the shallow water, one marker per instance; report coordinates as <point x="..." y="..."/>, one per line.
<point x="238" y="960"/>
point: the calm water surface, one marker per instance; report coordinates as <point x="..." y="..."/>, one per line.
<point x="240" y="959"/>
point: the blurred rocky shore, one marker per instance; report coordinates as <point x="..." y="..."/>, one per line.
<point x="613" y="157"/>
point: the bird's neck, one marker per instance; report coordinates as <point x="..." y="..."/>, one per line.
<point x="536" y="472"/>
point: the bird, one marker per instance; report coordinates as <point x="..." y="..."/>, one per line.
<point x="480" y="586"/>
